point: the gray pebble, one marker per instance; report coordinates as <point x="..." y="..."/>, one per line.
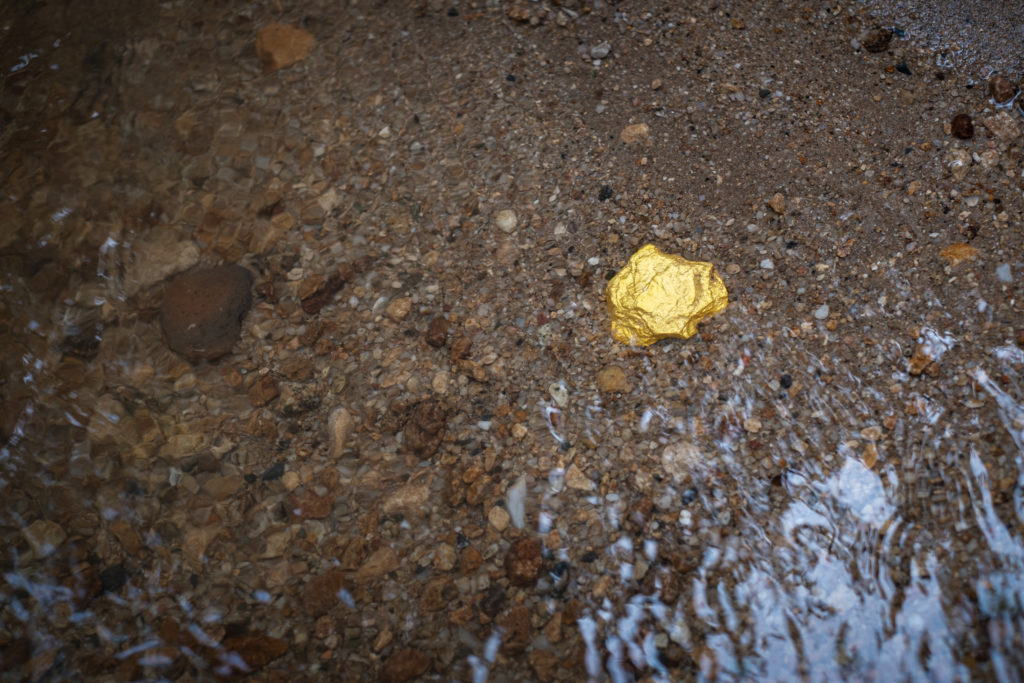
<point x="1003" y="273"/>
<point x="821" y="312"/>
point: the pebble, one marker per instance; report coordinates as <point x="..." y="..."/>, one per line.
<point x="203" y="309"/>
<point x="404" y="665"/>
<point x="1003" y="273"/>
<point x="958" y="253"/>
<point x="752" y="425"/>
<point x="290" y="480"/>
<point x="1001" y="89"/>
<point x="575" y="479"/>
<point x="44" y="536"/>
<point x="381" y="562"/>
<point x="281" y="45"/>
<point x="263" y="391"/>
<point x="425" y="429"/>
<point x="506" y="220"/>
<point x="445" y="557"/>
<point x="256" y="650"/>
<point x="601" y="50"/>
<point x="962" y="127"/>
<point x="322" y="592"/>
<point x="611" y="379"/>
<point x="399" y="308"/>
<point x="821" y="312"/>
<point x="340" y="430"/>
<point x="767" y="264"/>
<point x="636" y="132"/>
<point x="777" y="202"/>
<point x="958" y="161"/>
<point x="876" y="40"/>
<point x="1003" y="126"/>
<point x="523" y="562"/>
<point x="437" y="332"/>
<point x="515" y="500"/>
<point x="498" y="517"/>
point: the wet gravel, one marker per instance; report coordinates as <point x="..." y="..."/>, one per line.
<point x="424" y="457"/>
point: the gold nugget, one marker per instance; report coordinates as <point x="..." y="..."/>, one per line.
<point x="659" y="295"/>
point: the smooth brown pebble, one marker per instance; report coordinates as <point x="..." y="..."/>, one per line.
<point x="1001" y="89"/>
<point x="962" y="127"/>
<point x="203" y="309"/>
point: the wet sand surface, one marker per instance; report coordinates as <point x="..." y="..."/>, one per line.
<point x="420" y="455"/>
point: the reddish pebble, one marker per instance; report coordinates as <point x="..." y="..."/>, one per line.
<point x="203" y="310"/>
<point x="1001" y="89"/>
<point x="962" y="127"/>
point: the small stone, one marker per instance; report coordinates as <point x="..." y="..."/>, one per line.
<point x="1004" y="273"/>
<point x="308" y="505"/>
<point x="506" y="220"/>
<point x="425" y="428"/>
<point x="263" y="391"/>
<point x="203" y="309"/>
<point x="470" y="560"/>
<point x="155" y="257"/>
<point x="222" y="488"/>
<point x="290" y="480"/>
<point x="962" y="127"/>
<point x="340" y="431"/>
<point x="636" y="132"/>
<point x="281" y="45"/>
<point x="399" y="308"/>
<point x="127" y="535"/>
<point x="445" y="557"/>
<point x="821" y="312"/>
<point x="959" y="161"/>
<point x="515" y="502"/>
<point x="958" y="253"/>
<point x="575" y="479"/>
<point x="876" y="40"/>
<point x="767" y="264"/>
<point x="601" y="50"/>
<point x="406" y="499"/>
<point x="523" y="562"/>
<point x="499" y="518"/>
<point x="439" y="382"/>
<point x="752" y="425"/>
<point x="379" y="563"/>
<point x="656" y="84"/>
<point x="437" y="332"/>
<point x="405" y="665"/>
<point x="323" y="592"/>
<point x="194" y="545"/>
<point x="256" y="650"/>
<point x="44" y="536"/>
<point x="777" y="202"/>
<point x="611" y="379"/>
<point x="737" y="23"/>
<point x="1003" y="126"/>
<point x="1001" y="89"/>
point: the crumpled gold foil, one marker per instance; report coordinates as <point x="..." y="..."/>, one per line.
<point x="659" y="295"/>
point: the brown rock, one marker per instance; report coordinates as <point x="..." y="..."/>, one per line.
<point x="263" y="391"/>
<point x="379" y="563"/>
<point x="425" y="428"/>
<point x="308" y="505"/>
<point x="320" y="291"/>
<point x="636" y="132"/>
<point x="778" y="203"/>
<point x="958" y="253"/>
<point x="516" y="622"/>
<point x="524" y="561"/>
<point x="876" y="40"/>
<point x="203" y="309"/>
<point x="281" y="45"/>
<point x="1001" y="89"/>
<point x="340" y="428"/>
<point x="437" y="332"/>
<point x="256" y="650"/>
<point x="321" y="593"/>
<point x="544" y="664"/>
<point x="461" y="347"/>
<point x="1003" y="126"/>
<point x="404" y="665"/>
<point x="612" y="380"/>
<point x="470" y="560"/>
<point x="438" y="593"/>
<point x="962" y="127"/>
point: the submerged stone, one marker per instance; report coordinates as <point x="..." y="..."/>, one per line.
<point x="203" y="310"/>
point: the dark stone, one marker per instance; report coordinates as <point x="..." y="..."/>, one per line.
<point x="404" y="665"/>
<point x="877" y="40"/>
<point x="113" y="578"/>
<point x="962" y="127"/>
<point x="203" y="310"/>
<point x="1001" y="89"/>
<point x="605" y="193"/>
<point x="273" y="472"/>
<point x="524" y="561"/>
<point x="437" y="332"/>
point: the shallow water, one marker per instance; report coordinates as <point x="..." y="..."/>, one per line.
<point x="784" y="495"/>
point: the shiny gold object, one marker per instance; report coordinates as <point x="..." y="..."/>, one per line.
<point x="659" y="295"/>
